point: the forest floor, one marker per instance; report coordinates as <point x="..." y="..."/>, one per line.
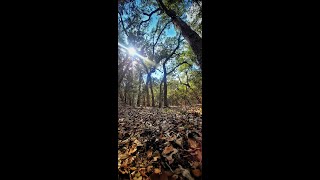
<point x="159" y="143"/>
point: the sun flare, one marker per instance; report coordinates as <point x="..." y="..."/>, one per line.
<point x="132" y="51"/>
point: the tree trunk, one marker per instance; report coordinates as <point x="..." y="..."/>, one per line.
<point x="160" y="95"/>
<point x="151" y="89"/>
<point x="147" y="92"/>
<point x="123" y="74"/>
<point x="139" y="91"/>
<point x="144" y="99"/>
<point x="125" y="97"/>
<point x="194" y="40"/>
<point x="165" y="87"/>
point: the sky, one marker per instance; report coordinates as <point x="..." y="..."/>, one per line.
<point x="171" y="32"/>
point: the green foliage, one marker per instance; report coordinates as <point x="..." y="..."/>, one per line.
<point x="185" y="82"/>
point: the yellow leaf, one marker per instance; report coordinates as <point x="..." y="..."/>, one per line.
<point x="157" y="170"/>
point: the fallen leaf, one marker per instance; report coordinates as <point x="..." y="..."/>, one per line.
<point x="186" y="173"/>
<point x="192" y="143"/>
<point x="195" y="164"/>
<point x="196" y="172"/>
<point x="133" y="149"/>
<point x="123" y="156"/>
<point x="137" y="178"/>
<point x="138" y="174"/>
<point x="157" y="170"/>
<point x="133" y="168"/>
<point x="172" y="138"/>
<point x="175" y="177"/>
<point x="167" y="150"/>
<point x="169" y="156"/>
<point x="149" y="168"/>
<point x="123" y="171"/>
<point x="149" y="153"/>
<point x="179" y="142"/>
<point x="138" y="143"/>
<point x="199" y="155"/>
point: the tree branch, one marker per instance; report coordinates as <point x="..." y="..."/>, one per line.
<point x="150" y="14"/>
<point x="125" y="30"/>
<point x="169" y="12"/>
<point x="162" y="31"/>
<point x="184" y="62"/>
<point x="174" y="51"/>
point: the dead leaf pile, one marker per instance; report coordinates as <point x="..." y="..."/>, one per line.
<point x="156" y="143"/>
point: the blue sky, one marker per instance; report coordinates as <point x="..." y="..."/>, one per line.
<point x="171" y="32"/>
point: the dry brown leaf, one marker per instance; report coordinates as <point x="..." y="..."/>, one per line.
<point x="186" y="173"/>
<point x="172" y="138"/>
<point x="149" y="168"/>
<point x="143" y="172"/>
<point x="169" y="157"/>
<point x="196" y="172"/>
<point x="133" y="149"/>
<point x="192" y="143"/>
<point x="157" y="170"/>
<point x="167" y="150"/>
<point x="124" y="171"/>
<point x="199" y="155"/>
<point x="174" y="177"/>
<point x="137" y="178"/>
<point x="149" y="153"/>
<point x="133" y="168"/>
<point x="179" y="142"/>
<point x="123" y="156"/>
<point x="138" y="143"/>
<point x="137" y="174"/>
<point x="195" y="164"/>
<point x="124" y="163"/>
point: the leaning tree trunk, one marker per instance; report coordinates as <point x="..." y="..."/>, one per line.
<point x="194" y="40"/>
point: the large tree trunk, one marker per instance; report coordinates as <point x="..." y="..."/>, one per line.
<point x="165" y="87"/>
<point x="194" y="40"/>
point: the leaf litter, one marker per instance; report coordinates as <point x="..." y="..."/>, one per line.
<point x="156" y="143"/>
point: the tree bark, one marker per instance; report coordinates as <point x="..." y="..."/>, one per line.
<point x="123" y="74"/>
<point x="139" y="91"/>
<point x="151" y="89"/>
<point x="147" y="91"/>
<point x="194" y="40"/>
<point x="165" y="86"/>
<point x="160" y="95"/>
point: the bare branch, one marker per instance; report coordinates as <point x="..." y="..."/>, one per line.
<point x="150" y="14"/>
<point x="162" y="31"/>
<point x="184" y="62"/>
<point x="174" y="51"/>
<point x="125" y="30"/>
<point x="159" y="70"/>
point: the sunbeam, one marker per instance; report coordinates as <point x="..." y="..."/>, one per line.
<point x="133" y="52"/>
